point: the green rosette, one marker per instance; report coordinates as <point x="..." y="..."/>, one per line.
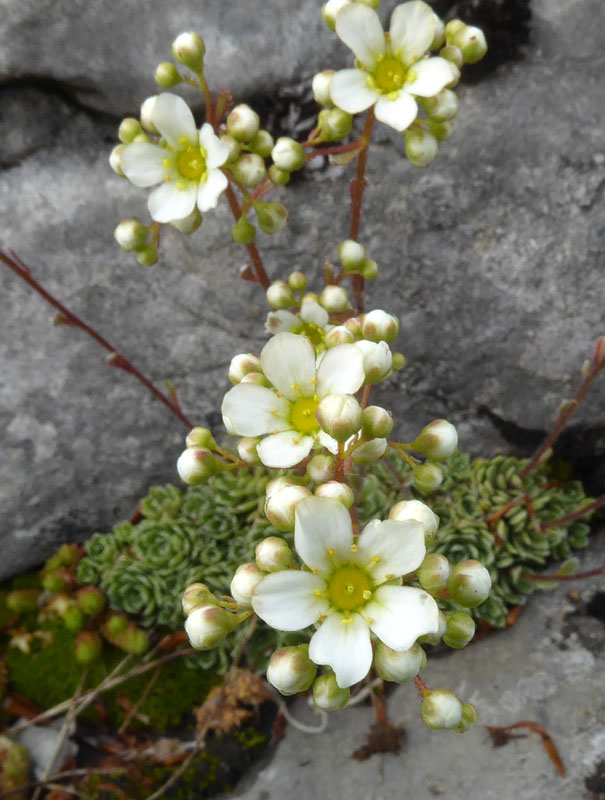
<point x="102" y="549"/>
<point x="162" y="546"/>
<point x="162" y="503"/>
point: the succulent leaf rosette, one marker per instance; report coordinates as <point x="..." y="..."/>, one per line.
<point x="346" y="588"/>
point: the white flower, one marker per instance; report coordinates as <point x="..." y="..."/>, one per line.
<point x="392" y="69"/>
<point x="186" y="166"/>
<point x="287" y="410"/>
<point x="346" y="590"/>
<point x="311" y="321"/>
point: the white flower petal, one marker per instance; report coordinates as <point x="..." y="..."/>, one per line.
<point x="398" y="113"/>
<point x="283" y="450"/>
<point x="340" y="370"/>
<point x="210" y="190"/>
<point x="281" y="321"/>
<point x="322" y="526"/>
<point x="173" y="118"/>
<point x="328" y="442"/>
<point x="399" y="546"/>
<point x="359" y="27"/>
<point x="287" y="601"/>
<point x="310" y="311"/>
<point x="412" y="30"/>
<point x="429" y="77"/>
<point x="400" y="614"/>
<point x="349" y="91"/>
<point x="253" y="410"/>
<point x="143" y="163"/>
<point x="288" y="361"/>
<point x="168" y="202"/>
<point x="343" y="646"/>
<point x="217" y="152"/>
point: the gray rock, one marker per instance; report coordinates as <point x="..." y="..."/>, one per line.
<point x="491" y="257"/>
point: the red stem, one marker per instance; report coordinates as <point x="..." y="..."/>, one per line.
<point x="116" y="358"/>
<point x="252" y="249"/>
<point x="358" y="184"/>
<point x="336" y="150"/>
<point x="577" y="514"/>
<point x="577" y="576"/>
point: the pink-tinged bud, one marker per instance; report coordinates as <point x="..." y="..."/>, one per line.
<point x="339" y="415"/>
<point x="441" y="709"/>
<point x="434" y="573"/>
<point x="427" y="478"/>
<point x="339" y="334"/>
<point x="336" y="491"/>
<point x="91" y="600"/>
<point x="196" y="465"/>
<point x="241" y="365"/>
<point x="243" y="123"/>
<point x="189" y="49"/>
<point x="206" y="626"/>
<point x="378" y="326"/>
<point x="469" y="583"/>
<point x="89" y="646"/>
<point x="273" y="554"/>
<point x="291" y="670"/>
<point x="353" y="324"/>
<point x="279" y="295"/>
<point x="377" y="422"/>
<point x="321" y="468"/>
<point x="328" y="695"/>
<point x="400" y="667"/>
<point x="244" y="582"/>
<point x="249" y="169"/>
<point x="438" y="440"/>
<point x="200" y="437"/>
<point x="281" y="505"/>
<point x="197" y="594"/>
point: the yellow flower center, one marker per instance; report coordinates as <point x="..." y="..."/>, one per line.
<point x="389" y="75"/>
<point x="191" y="163"/>
<point x="349" y="588"/>
<point x="314" y="334"/>
<point x="302" y="415"/>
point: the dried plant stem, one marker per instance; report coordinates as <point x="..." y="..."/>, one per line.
<point x="144" y="695"/>
<point x="66" y="317"/>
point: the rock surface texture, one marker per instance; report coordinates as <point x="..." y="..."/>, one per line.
<point x="491" y="257"/>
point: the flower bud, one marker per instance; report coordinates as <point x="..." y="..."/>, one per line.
<point x="329" y="11"/>
<point x="148" y="255"/>
<point x="243" y="123"/>
<point x="469" y="717"/>
<point x="281" y="505"/>
<point x="54" y="582"/>
<point x="469" y="583"/>
<point x="247" y="447"/>
<point x="88" y="648"/>
<point x="415" y="509"/>
<point x="146" y="114"/>
<point x="334" y="124"/>
<point x="334" y="299"/>
<point x="91" y="600"/>
<point x="233" y="145"/>
<point x="438" y="440"/>
<point x="273" y="554"/>
<point x="351" y="255"/>
<point x="378" y="326"/>
<point x="369" y="269"/>
<point x="328" y="695"/>
<point x="453" y="27"/>
<point x="297" y="281"/>
<point x="20" y="601"/>
<point x="369" y="452"/>
<point x="272" y="217"/>
<point x="195" y="465"/>
<point x="279" y="295"/>
<point x="291" y="670"/>
<point x="188" y="224"/>
<point x="471" y="43"/>
<point x="321" y="468"/>
<point x="115" y="160"/>
<point x="439" y="35"/>
<point x="427" y="478"/>
<point x="353" y="324"/>
<point x="167" y="75"/>
<point x="133" y="641"/>
<point x="434" y="572"/>
<point x="69" y="554"/>
<point x="441" y="106"/>
<point x="241" y="365"/>
<point x="442" y="131"/>
<point x="243" y="231"/>
<point x="435" y="638"/>
<point x="249" y="170"/>
<point x="256" y="377"/>
<point x="130" y="234"/>
<point x="377" y="422"/>
<point x="336" y="491"/>
<point x="339" y="415"/>
<point x="399" y="361"/>
<point x="459" y="630"/>
<point x="244" y="582"/>
<point x="338" y="335"/>
<point x="400" y="667"/>
<point x="377" y="360"/>
<point x="207" y="625"/>
<point x="262" y="143"/>
<point x="74" y="619"/>
<point x="129" y="128"/>
<point x="196" y="594"/>
<point x="453" y="55"/>
<point x="420" y="147"/>
<point x="116" y="624"/>
<point x="288" y="154"/>
<point x="276" y="484"/>
<point x="189" y="49"/>
<point x="441" y="709"/>
<point x="200" y="437"/>
<point x="321" y="87"/>
<point x="278" y="176"/>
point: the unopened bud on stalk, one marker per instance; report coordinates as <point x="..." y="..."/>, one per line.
<point x="453" y="55"/>
<point x="438" y="440"/>
<point x="272" y="217"/>
<point x="415" y="509"/>
<point x="243" y="231"/>
<point x="273" y="554"/>
<point x="115" y="160"/>
<point x="247" y="448"/>
<point x="195" y="465"/>
<point x="321" y="87"/>
<point x="232" y="144"/>
<point x="297" y="281"/>
<point x="435" y="638"/>
<point x="288" y="154"/>
<point x="148" y="255"/>
<point x="377" y="422"/>
<point x="197" y="594"/>
<point x="129" y="128"/>
<point x="377" y="360"/>
<point x="321" y="468"/>
<point x="441" y="709"/>
<point x="339" y="415"/>
<point x="280" y="507"/>
<point x="336" y="491"/>
<point x="256" y="377"/>
<point x="378" y="326"/>
<point x="338" y="335"/>
<point x="459" y="630"/>
<point x="369" y="269"/>
<point x="146" y="114"/>
<point x="442" y="131"/>
<point x="279" y="295"/>
<point x="420" y="147"/>
<point x="328" y="695"/>
<point x="278" y="176"/>
<point x="276" y="484"/>
<point x="291" y="670"/>
<point x="329" y="11"/>
<point x="262" y="143"/>
<point x="189" y="224"/>
<point x="207" y="625"/>
<point x="442" y="106"/>
<point x="334" y="299"/>
<point x="243" y="123"/>
<point x="241" y="365"/>
<point x="434" y="572"/>
<point x="369" y="452"/>
<point x="130" y="234"/>
<point x="399" y="361"/>
<point x="471" y="43"/>
<point x="88" y="648"/>
<point x="189" y="49"/>
<point x="427" y="478"/>
<point x="249" y="170"/>
<point x="200" y="437"/>
<point x="244" y="582"/>
<point x="469" y="583"/>
<point x="334" y="124"/>
<point x="167" y="75"/>
<point x="400" y="667"/>
<point x="469" y="718"/>
<point x="91" y="600"/>
<point x="351" y="255"/>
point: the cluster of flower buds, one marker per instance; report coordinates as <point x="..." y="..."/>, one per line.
<point x="134" y="237"/>
<point x="442" y="710"/>
<point x="197" y="462"/>
<point x="352" y="256"/>
<point x="209" y="618"/>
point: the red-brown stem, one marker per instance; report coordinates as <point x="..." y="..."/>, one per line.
<point x="578" y="576"/>
<point x="366" y="395"/>
<point x="500" y="512"/>
<point x="252" y="249"/>
<point x="117" y="359"/>
<point x="547" y="741"/>
<point x="355" y="520"/>
<point x="421" y="686"/>
<point x="338" y="475"/>
<point x="379" y="705"/>
<point x="564" y="416"/>
<point x="357" y="186"/>
<point x="336" y="150"/>
<point x="577" y="514"/>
